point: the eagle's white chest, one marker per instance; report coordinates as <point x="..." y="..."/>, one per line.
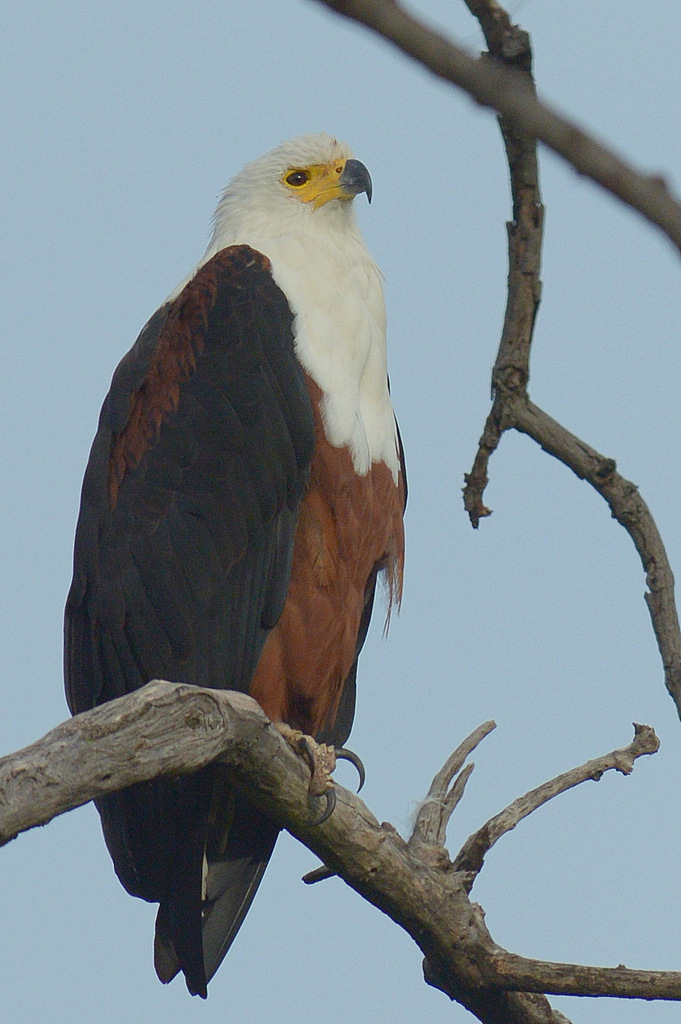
<point x="340" y="336"/>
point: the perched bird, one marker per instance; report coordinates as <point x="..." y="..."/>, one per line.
<point x="245" y="490"/>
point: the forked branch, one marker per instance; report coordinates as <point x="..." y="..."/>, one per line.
<point x="167" y="729"/>
<point x="472" y="854"/>
<point x="432" y="818"/>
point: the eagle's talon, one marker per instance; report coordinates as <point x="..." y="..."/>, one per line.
<point x="343" y="754"/>
<point x="320" y="759"/>
<point x="303" y="747"/>
<point x="329" y="797"/>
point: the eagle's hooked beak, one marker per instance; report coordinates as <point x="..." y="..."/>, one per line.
<point x="355" y="179"/>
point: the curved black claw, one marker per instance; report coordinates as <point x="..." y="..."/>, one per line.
<point x="329" y="798"/>
<point x="305" y="751"/>
<point x="343" y="754"/>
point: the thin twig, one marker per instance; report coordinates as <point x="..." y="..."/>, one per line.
<point x="511" y="372"/>
<point x="513" y="409"/>
<point x="631" y="511"/>
<point x="319" y="874"/>
<point x="435" y="811"/>
<point x="472" y="854"/>
<point x="496" y="26"/>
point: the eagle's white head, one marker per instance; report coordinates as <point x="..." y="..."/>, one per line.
<point x="307" y="182"/>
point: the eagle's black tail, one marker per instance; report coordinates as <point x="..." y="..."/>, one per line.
<point x="196" y="925"/>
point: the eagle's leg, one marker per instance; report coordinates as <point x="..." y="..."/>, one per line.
<point x="319" y="757"/>
<point x="321" y="760"/>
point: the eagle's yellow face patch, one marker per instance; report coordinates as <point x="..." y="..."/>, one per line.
<point x="318" y="183"/>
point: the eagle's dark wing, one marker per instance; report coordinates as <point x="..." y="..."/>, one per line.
<point x="182" y="558"/>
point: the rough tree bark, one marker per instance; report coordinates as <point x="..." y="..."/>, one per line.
<point x="168" y="728"/>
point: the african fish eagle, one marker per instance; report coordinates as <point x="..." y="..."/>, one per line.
<point x="244" y="491"/>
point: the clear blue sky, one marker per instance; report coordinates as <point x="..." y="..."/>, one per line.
<point x="121" y="124"/>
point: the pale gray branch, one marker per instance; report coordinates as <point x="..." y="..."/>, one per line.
<point x="627" y="507"/>
<point x="471" y="856"/>
<point x="432" y="817"/>
<point x="161" y="729"/>
<point x="573" y="979"/>
<point x="167" y="728"/>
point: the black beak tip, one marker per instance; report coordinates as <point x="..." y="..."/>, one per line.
<point x="356" y="176"/>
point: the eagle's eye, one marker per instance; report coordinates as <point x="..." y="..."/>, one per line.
<point x="297" y="178"/>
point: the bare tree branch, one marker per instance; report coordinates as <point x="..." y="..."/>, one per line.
<point x="161" y="729"/>
<point x="525" y="234"/>
<point x="472" y="854"/>
<point x="512" y="408"/>
<point x="629" y="509"/>
<point x="432" y="818"/>
<point x="493" y="85"/>
<point x="167" y="728"/>
<point x="572" y="979"/>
